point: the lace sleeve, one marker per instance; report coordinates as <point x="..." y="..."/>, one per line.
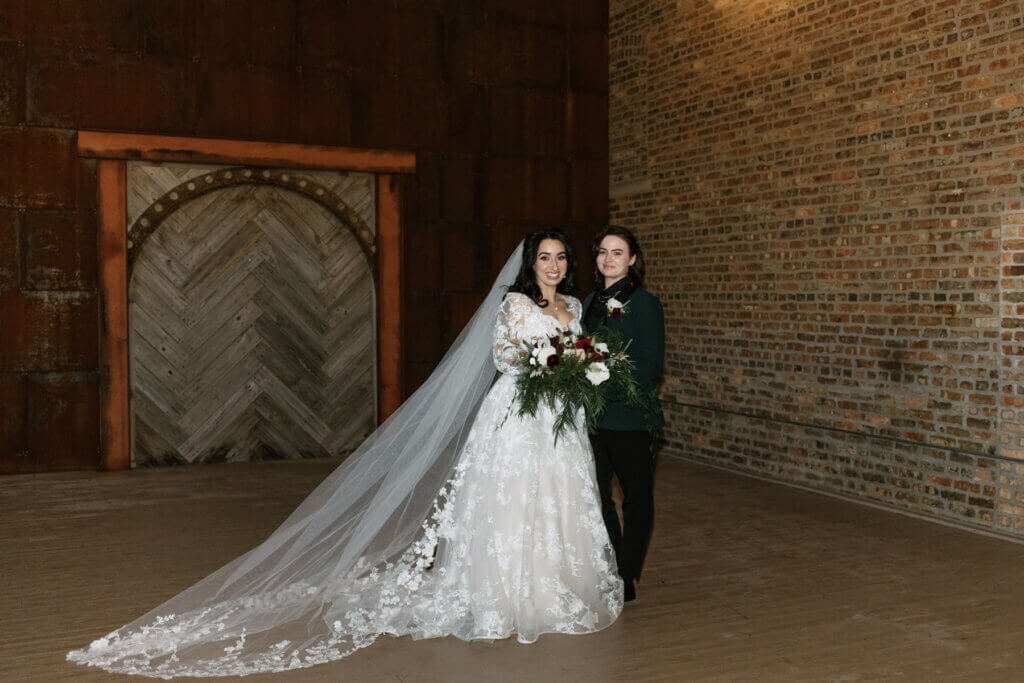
<point x="576" y="308"/>
<point x="507" y="329"/>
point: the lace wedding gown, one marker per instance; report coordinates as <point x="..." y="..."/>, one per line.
<point x="515" y="544"/>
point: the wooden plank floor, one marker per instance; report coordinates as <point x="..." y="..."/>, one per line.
<point x="746" y="581"/>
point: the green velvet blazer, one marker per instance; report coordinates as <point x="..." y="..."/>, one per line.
<point x="643" y="325"/>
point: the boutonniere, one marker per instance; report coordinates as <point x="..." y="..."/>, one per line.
<point x="615" y="308"/>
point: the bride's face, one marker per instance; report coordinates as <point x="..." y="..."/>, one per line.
<point x="551" y="264"/>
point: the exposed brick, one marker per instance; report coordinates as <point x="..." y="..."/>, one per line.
<point x="60" y="250"/>
<point x="72" y="403"/>
<point x="46" y="332"/>
<point x="822" y="212"/>
<point x="10" y="251"/>
<point x="41" y="167"/>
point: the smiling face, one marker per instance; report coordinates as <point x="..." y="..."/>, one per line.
<point x="552" y="263"/>
<point x="614" y="259"/>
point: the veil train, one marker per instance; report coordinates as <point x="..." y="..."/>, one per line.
<point x="272" y="609"/>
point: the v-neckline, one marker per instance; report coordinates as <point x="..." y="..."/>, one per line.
<point x="561" y="325"/>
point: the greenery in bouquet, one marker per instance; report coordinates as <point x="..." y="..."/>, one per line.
<point x="570" y="373"/>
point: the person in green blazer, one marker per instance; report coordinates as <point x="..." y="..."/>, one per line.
<point x="623" y="439"/>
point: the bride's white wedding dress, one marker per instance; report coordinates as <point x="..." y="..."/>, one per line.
<point x="522" y="544"/>
<point x="514" y="543"/>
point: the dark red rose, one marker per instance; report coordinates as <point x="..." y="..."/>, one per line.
<point x="553" y="360"/>
<point x="596" y="357"/>
<point x="616" y="312"/>
<point x="583" y="343"/>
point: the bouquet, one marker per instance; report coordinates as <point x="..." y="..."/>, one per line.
<point x="567" y="372"/>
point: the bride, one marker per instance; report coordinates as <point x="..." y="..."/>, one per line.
<point x="455" y="517"/>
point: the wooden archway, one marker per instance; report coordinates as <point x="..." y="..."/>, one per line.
<point x="114" y="150"/>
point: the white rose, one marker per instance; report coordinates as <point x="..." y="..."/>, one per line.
<point x="598" y="373"/>
<point x="615" y="307"/>
<point x="543" y="353"/>
<point x="601" y="348"/>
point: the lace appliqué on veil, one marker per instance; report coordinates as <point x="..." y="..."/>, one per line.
<point x="515" y="543"/>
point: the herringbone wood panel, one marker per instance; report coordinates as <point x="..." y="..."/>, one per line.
<point x="252" y="332"/>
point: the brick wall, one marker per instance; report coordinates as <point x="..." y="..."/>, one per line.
<point x="830" y="193"/>
<point x="504" y="103"/>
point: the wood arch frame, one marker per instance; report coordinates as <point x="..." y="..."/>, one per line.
<point x="169" y="202"/>
<point x="112" y="152"/>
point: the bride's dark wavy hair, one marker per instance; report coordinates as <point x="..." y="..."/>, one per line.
<point x="526" y="279"/>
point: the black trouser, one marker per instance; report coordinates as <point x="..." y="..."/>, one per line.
<point x="628" y="456"/>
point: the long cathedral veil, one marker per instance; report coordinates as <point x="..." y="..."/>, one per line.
<point x="271" y="609"/>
